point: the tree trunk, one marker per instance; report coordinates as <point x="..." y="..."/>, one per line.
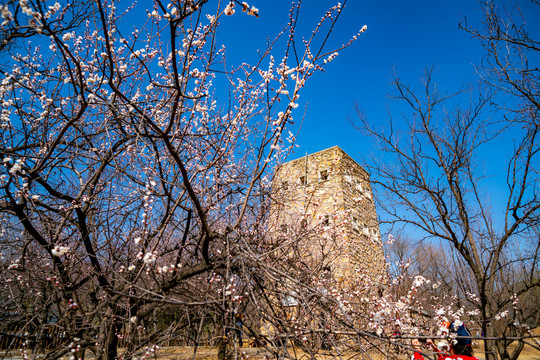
<point x="222" y="348"/>
<point x="112" y="341"/>
<point x="489" y="348"/>
<point x="107" y="348"/>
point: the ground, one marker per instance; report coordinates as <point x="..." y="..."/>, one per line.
<point x="251" y="353"/>
<point x="208" y="353"/>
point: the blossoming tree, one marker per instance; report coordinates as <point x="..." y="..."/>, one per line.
<point x="135" y="169"/>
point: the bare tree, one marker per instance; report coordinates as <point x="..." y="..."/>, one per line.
<point x="438" y="181"/>
<point x="432" y="181"/>
<point x="510" y="40"/>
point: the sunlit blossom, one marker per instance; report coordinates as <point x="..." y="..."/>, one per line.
<point x="59" y="250"/>
<point x="229" y="9"/>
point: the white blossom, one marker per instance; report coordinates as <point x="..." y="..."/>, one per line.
<point x="149" y="258"/>
<point x="229" y="9"/>
<point x="418" y="281"/>
<point x="501" y="315"/>
<point x="59" y="250"/>
<point x="6" y="14"/>
<point x="457" y="323"/>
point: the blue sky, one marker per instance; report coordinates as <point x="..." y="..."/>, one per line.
<point x="405" y="37"/>
<point x="402" y="36"/>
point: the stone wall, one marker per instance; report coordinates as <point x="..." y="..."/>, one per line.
<point x="324" y="200"/>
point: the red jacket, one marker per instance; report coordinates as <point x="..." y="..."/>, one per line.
<point x="457" y="357"/>
<point x="419" y="356"/>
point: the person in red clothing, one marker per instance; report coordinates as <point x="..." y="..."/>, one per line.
<point x="459" y="348"/>
<point x="454" y="349"/>
<point x="419" y="344"/>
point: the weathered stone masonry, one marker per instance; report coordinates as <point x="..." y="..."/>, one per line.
<point x="327" y="195"/>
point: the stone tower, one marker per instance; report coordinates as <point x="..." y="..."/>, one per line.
<point x="324" y="201"/>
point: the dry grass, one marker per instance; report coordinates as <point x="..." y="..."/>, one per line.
<point x="528" y="352"/>
<point x="209" y="353"/>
